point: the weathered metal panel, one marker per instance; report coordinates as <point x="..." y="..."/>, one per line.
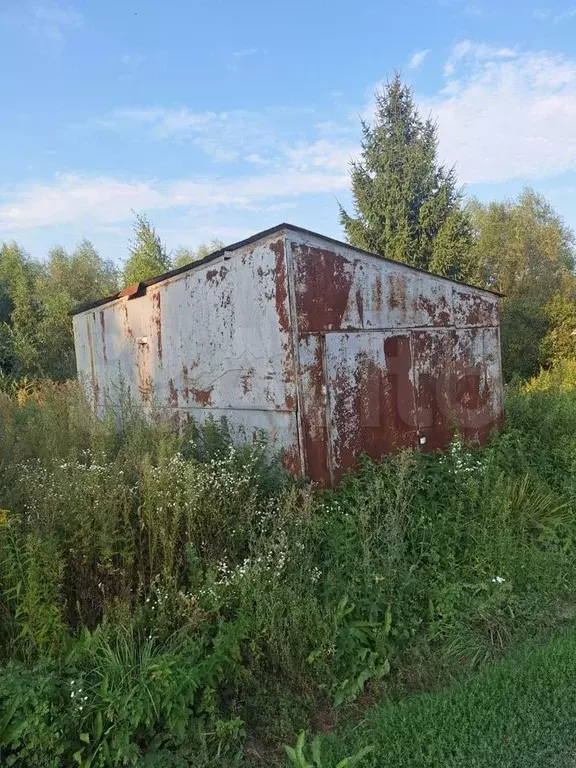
<point x="458" y="383"/>
<point x="336" y="291"/>
<point x="313" y="414"/>
<point x="216" y="339"/>
<point x="474" y="308"/>
<point x="371" y="395"/>
<point x="408" y="356"/>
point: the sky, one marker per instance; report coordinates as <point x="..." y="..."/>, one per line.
<point x="219" y="119"/>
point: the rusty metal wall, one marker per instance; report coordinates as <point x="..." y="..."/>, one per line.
<point x="332" y="351"/>
<point x="213" y="341"/>
<point x="389" y="357"/>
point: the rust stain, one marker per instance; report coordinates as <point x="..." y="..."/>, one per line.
<point x="156" y="303"/>
<point x="145" y="382"/>
<point x="216" y="275"/>
<point x="397" y="293"/>
<point x="454" y="389"/>
<point x="127" y="329"/>
<point x="103" y="333"/>
<point x="94" y="378"/>
<point x="131" y="290"/>
<point x="437" y="311"/>
<point x="433" y="354"/>
<point x="291" y="460"/>
<point x="281" y="287"/>
<point x="202" y="396"/>
<point x="377" y="293"/>
<point x="173" y="398"/>
<point x="323" y="284"/>
<point x="145" y="386"/>
<point x="246" y="379"/>
<point x="360" y="305"/>
<point x="284" y="323"/>
<point x="473" y="309"/>
<point x="185" y="383"/>
<point x="314" y="426"/>
<point x="373" y="399"/>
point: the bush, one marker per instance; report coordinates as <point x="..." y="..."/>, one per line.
<point x="114" y="698"/>
<point x="190" y="589"/>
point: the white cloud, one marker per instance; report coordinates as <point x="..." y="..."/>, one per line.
<point x="545" y="14"/>
<point x="72" y="198"/>
<point x="474" y="11"/>
<point x="568" y="14"/>
<point x="541" y="14"/>
<point x="259" y="138"/>
<point x="245" y="52"/>
<point x="417" y="58"/>
<point x="53" y="20"/>
<point x="132" y="60"/>
<point x="478" y="51"/>
<point x="505" y="114"/>
<point x="256" y="159"/>
<point x="165" y="123"/>
<point x="320" y="154"/>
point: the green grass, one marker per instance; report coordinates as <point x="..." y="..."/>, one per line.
<point x="208" y="606"/>
<point x="520" y="711"/>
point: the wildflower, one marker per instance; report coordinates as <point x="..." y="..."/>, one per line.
<point x="498" y="580"/>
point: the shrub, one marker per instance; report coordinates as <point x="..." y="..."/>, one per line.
<point x="188" y="587"/>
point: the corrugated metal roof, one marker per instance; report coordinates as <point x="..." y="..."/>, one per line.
<point x="140" y="288"/>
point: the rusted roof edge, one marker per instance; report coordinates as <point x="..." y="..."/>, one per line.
<point x="252" y="239"/>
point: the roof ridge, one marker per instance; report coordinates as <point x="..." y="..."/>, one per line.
<point x="253" y="239"/>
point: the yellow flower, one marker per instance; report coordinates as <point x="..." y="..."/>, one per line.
<point x="3" y="516"/>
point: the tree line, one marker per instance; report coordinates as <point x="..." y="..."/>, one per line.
<point x="36" y="296"/>
<point x="407" y="207"/>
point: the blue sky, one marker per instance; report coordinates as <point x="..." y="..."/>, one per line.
<point x="219" y="119"/>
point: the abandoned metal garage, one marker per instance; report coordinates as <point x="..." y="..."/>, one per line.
<point x="331" y="350"/>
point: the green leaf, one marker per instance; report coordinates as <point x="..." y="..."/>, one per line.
<point x="300" y="746"/>
<point x="292" y="756"/>
<point x="387" y="621"/>
<point x="85" y="737"/>
<point x="315" y="748"/>
<point x="98" y="728"/>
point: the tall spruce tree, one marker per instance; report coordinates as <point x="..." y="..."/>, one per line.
<point x="408" y="207"/>
<point x="148" y="256"/>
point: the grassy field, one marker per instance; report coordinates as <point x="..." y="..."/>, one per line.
<point x="519" y="712"/>
<point x="168" y="600"/>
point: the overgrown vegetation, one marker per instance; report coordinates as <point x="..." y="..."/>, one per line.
<point x="170" y="600"/>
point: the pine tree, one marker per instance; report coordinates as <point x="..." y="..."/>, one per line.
<point x="148" y="256"/>
<point x="407" y="206"/>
